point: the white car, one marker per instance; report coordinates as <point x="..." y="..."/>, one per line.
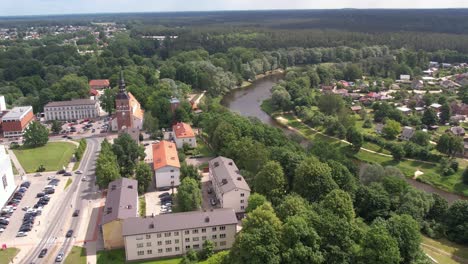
<point x="1" y="230"/>
<point x="22" y="234"/>
<point x="84" y="178"/>
<point x="78" y="172"/>
<point x="26" y="208"/>
<point x="59" y="257"/>
<point x="51" y="177"/>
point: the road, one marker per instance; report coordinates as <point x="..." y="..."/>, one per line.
<point x="60" y="220"/>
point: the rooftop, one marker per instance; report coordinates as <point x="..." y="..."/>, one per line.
<point x="165" y="154"/>
<point x="102" y="82"/>
<point x="183" y="130"/>
<point x="178" y="221"/>
<point x="226" y="175"/>
<point x="135" y="106"/>
<point x="17" y="112"/>
<point x="74" y="102"/>
<point x="121" y="201"/>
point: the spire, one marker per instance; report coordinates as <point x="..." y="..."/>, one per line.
<point x="121" y="82"/>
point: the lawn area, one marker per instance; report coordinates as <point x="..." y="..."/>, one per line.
<point x="68" y="183"/>
<point x="7" y="255"/>
<point x="461" y="252"/>
<point x="76" y="256"/>
<point x="58" y="154"/>
<point x="204" y="149"/>
<point x="142" y="205"/>
<point x="118" y="256"/>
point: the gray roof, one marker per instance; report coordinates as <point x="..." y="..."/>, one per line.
<point x="178" y="221"/>
<point x="408" y="132"/>
<point x="121" y="201"/>
<point x="17" y="113"/>
<point x="226" y="175"/>
<point x="73" y="102"/>
<point x="457" y="130"/>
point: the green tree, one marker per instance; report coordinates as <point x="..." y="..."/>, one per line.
<point x="107" y="100"/>
<point x="281" y="99"/>
<point x="406" y="232"/>
<point x="128" y="152"/>
<point x="429" y="117"/>
<point x="354" y="137"/>
<point x="391" y="129"/>
<point x="144" y="176"/>
<point x="313" y="180"/>
<point x="457" y="222"/>
<point x="372" y="201"/>
<point x="36" y="135"/>
<point x="339" y="203"/>
<point x="191" y="257"/>
<point x="330" y="104"/>
<point x="259" y="241"/>
<point x="438" y="209"/>
<point x="189" y="195"/>
<point x="343" y="177"/>
<point x="379" y="246"/>
<point x="150" y="123"/>
<point x="415" y="203"/>
<point x="421" y="138"/>
<point x="398" y="152"/>
<point x="107" y="168"/>
<point x="270" y="181"/>
<point x="445" y="113"/>
<point x="208" y="250"/>
<point x="293" y="205"/>
<point x="450" y="144"/>
<point x="189" y="171"/>
<point x="56" y="127"/>
<point x="353" y="72"/>
<point x="218" y="258"/>
<point x="255" y="201"/>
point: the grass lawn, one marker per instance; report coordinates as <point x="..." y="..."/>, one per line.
<point x="7" y="255"/>
<point x="267" y="107"/>
<point x="118" y="256"/>
<point x="204" y="149"/>
<point x="77" y="164"/>
<point x="142" y="205"/>
<point x="461" y="252"/>
<point x="76" y="256"/>
<point x="53" y="156"/>
<point x="68" y="183"/>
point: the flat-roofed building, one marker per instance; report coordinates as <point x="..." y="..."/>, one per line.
<point x="16" y="120"/>
<point x="174" y="234"/>
<point x="7" y="185"/>
<point x="166" y="164"/>
<point x="71" y="110"/>
<point x="121" y="203"/>
<point x="231" y="189"/>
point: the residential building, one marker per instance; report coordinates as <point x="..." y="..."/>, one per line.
<point x="166" y="164"/>
<point x="99" y="84"/>
<point x="7" y="186"/>
<point x="175" y="234"/>
<point x="407" y="133"/>
<point x="356" y="109"/>
<point x="436" y="106"/>
<point x="121" y="203"/>
<point x="458" y="131"/>
<point x="405" y="110"/>
<point x="182" y="133"/>
<point x="128" y="112"/>
<point x="16" y="120"/>
<point x="417" y="85"/>
<point x="2" y="103"/>
<point x="231" y="189"/>
<point x="71" y="110"/>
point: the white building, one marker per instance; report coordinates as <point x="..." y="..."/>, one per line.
<point x="166" y="164"/>
<point x="182" y="133"/>
<point x="231" y="189"/>
<point x="8" y="186"/>
<point x="71" y="110"/>
<point x="174" y="234"/>
<point x="2" y="103"/>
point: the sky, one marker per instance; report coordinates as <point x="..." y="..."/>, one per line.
<point x="45" y="7"/>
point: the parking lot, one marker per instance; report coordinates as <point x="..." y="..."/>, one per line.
<point x="85" y="128"/>
<point x="153" y="202"/>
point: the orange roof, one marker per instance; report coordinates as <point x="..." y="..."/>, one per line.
<point x="104" y="83"/>
<point x="183" y="130"/>
<point x="165" y="154"/>
<point x="135" y="106"/>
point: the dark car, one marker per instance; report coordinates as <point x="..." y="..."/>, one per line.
<point x="69" y="233"/>
<point x="164" y="194"/>
<point x="166" y="199"/>
<point x="69" y="137"/>
<point x="43" y="253"/>
<point x="76" y="213"/>
<point x="165" y="188"/>
<point x="62" y="171"/>
<point x="26" y="184"/>
<point x="54" y="182"/>
<point x="67" y="174"/>
<point x="49" y="191"/>
<point x="39" y="195"/>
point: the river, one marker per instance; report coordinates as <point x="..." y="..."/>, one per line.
<point x="247" y="101"/>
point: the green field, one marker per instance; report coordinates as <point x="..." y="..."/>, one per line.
<point x="204" y="149"/>
<point x="118" y="256"/>
<point x="7" y="255"/>
<point x="445" y="251"/>
<point x="53" y="156"/>
<point x="76" y="256"/>
<point x="68" y="183"/>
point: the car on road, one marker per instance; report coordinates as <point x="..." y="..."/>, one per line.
<point x="84" y="178"/>
<point x="164" y="194"/>
<point x="21" y="234"/>
<point x="69" y="233"/>
<point x="78" y="172"/>
<point x="76" y="213"/>
<point x="54" y="182"/>
<point x="67" y="174"/>
<point x="93" y="130"/>
<point x="43" y="253"/>
<point x="59" y="257"/>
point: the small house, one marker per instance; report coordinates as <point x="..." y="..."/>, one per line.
<point x="407" y="133"/>
<point x="458" y="131"/>
<point x="356" y="109"/>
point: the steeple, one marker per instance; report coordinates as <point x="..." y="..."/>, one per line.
<point x="122" y="92"/>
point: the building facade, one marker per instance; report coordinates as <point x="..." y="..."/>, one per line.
<point x="174" y="234"/>
<point x="231" y="189"/>
<point x="121" y="203"/>
<point x="182" y="133"/>
<point x="71" y="110"/>
<point x="7" y="185"/>
<point x="15" y="121"/>
<point x="128" y="112"/>
<point x="166" y="164"/>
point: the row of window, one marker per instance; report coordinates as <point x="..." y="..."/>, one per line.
<point x="169" y="250"/>
<point x="186" y="232"/>
<point x="55" y="108"/>
<point x="176" y="241"/>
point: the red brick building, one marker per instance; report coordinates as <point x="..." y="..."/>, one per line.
<point x="15" y="121"/>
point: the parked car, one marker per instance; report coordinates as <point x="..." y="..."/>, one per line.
<point x="59" y="257"/>
<point x="78" y="172"/>
<point x="43" y="253"/>
<point x="67" y="174"/>
<point x="84" y="178"/>
<point x="62" y="171"/>
<point x="167" y="188"/>
<point x="164" y="194"/>
<point x="38" y="195"/>
<point x="21" y="234"/>
<point x="69" y="233"/>
<point x="50" y="191"/>
<point x="26" y="184"/>
<point x="76" y="213"/>
<point x="50" y="177"/>
<point x="38" y="174"/>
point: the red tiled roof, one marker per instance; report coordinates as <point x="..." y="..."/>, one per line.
<point x="165" y="154"/>
<point x="183" y="130"/>
<point x="103" y="83"/>
<point x="93" y="92"/>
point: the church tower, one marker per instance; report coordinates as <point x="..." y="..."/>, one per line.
<point x="122" y="106"/>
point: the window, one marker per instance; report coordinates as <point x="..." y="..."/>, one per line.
<point x="139" y="245"/>
<point x="213" y="229"/>
<point x="159" y="243"/>
<point x="195" y="238"/>
<point x="141" y="253"/>
<point x="172" y="176"/>
<point x="196" y="246"/>
<point x="158" y="235"/>
<point x="176" y="241"/>
<point x="168" y="242"/>
<point x="222" y="228"/>
<point x="187" y="240"/>
<point x="187" y="247"/>
<point x="203" y="238"/>
<point x="222" y="243"/>
<point x="148" y="236"/>
<point x="242" y="195"/>
<point x="167" y="234"/>
<point x="160" y="250"/>
<point x="215" y="244"/>
<point x="213" y="236"/>
<point x="137" y="238"/>
<point x="148" y="244"/>
<point x="195" y="231"/>
<point x="242" y="201"/>
<point x="203" y="230"/>
<point x="222" y="236"/>
<point x="149" y="251"/>
<point x="177" y="248"/>
<point x="168" y="249"/>
<point x="172" y="170"/>
<point x="187" y="232"/>
<point x="242" y="207"/>
<point x="176" y="233"/>
<point x="5" y="182"/>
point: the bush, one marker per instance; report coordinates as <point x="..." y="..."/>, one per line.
<point x="454" y="165"/>
<point x="448" y="171"/>
<point x="80" y="150"/>
<point x="367" y="124"/>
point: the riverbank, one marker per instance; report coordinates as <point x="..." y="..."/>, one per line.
<point x="246" y="84"/>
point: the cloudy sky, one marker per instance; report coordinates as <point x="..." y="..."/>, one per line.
<point x="41" y="7"/>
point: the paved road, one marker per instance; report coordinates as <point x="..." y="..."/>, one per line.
<point x="61" y="220"/>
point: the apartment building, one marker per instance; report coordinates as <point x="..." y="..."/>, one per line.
<point x="174" y="234"/>
<point x="71" y="110"/>
<point x="16" y="120"/>
<point x="166" y="164"/>
<point x="231" y="189"/>
<point x="121" y="203"/>
<point x="182" y="133"/>
<point x="7" y="185"/>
